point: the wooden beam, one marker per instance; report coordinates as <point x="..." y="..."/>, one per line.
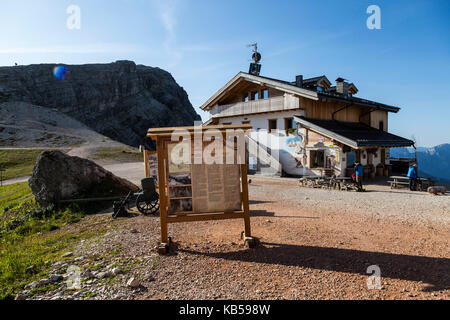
<point x="162" y="192"/>
<point x="205" y="217"/>
<point x="167" y="132"/>
<point x="244" y="181"/>
<point x="147" y="168"/>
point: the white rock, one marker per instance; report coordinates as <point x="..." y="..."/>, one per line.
<point x="32" y="285"/>
<point x="103" y="275"/>
<point x="43" y="282"/>
<point x="116" y="271"/>
<point x="133" y="283"/>
<point x="20" y="296"/>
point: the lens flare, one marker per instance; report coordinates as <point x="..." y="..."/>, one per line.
<point x="60" y="72"/>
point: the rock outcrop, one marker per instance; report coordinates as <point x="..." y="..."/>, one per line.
<point x="120" y="100"/>
<point x="57" y="176"/>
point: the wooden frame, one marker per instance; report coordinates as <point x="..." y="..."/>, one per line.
<point x="162" y="136"/>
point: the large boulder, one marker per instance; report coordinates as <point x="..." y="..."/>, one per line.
<point x="57" y="176"/>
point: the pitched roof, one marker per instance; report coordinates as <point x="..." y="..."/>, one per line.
<point x="334" y="96"/>
<point x="316" y="82"/>
<point x="290" y="87"/>
<point x="269" y="82"/>
<point x="353" y="134"/>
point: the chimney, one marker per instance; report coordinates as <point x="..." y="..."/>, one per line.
<point x="299" y="81"/>
<point x="341" y="86"/>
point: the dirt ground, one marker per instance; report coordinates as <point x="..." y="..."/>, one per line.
<point x="313" y="244"/>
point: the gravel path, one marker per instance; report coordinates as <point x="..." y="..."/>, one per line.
<point x="378" y="202"/>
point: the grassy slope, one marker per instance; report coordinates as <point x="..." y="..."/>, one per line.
<point x="18" y="163"/>
<point x="32" y="236"/>
<point x="13" y="195"/>
<point x="34" y="240"/>
<point x="120" y="154"/>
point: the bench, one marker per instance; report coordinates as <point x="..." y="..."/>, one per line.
<point x="395" y="184"/>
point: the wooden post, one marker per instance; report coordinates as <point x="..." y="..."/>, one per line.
<point x="162" y="194"/>
<point x="147" y="169"/>
<point x="247" y="231"/>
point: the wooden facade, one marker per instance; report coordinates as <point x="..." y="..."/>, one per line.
<point x="233" y="105"/>
<point x="283" y="101"/>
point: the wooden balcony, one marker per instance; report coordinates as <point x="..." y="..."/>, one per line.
<point x="259" y="106"/>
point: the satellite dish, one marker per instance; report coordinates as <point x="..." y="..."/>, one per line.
<point x="256" y="57"/>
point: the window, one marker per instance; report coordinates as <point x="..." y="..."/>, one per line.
<point x="317" y="158"/>
<point x="245" y="99"/>
<point x="265" y="94"/>
<point x="381" y="125"/>
<point x="255" y="96"/>
<point x="288" y="123"/>
<point x="351" y="158"/>
<point x="272" y="125"/>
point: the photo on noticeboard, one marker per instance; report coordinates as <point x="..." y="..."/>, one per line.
<point x="153" y="166"/>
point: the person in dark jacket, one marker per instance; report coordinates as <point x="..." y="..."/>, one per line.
<point x="359" y="172"/>
<point x="412" y="175"/>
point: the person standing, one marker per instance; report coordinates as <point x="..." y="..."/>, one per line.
<point x="412" y="175"/>
<point x="359" y="172"/>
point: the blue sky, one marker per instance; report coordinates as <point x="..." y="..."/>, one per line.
<point x="203" y="44"/>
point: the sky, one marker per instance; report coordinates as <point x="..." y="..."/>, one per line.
<point x="203" y="44"/>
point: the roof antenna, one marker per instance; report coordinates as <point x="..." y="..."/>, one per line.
<point x="255" y="66"/>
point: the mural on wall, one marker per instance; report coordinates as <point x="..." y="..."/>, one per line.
<point x="294" y="145"/>
<point x="293" y="154"/>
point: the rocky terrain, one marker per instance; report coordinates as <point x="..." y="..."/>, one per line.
<point x="26" y="125"/>
<point x="313" y="244"/>
<point x="119" y="100"/>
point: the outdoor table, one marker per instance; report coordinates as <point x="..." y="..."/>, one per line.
<point x="403" y="180"/>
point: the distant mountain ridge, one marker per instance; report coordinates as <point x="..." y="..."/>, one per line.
<point x="120" y="100"/>
<point x="433" y="162"/>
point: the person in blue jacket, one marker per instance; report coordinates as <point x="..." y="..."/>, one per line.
<point x="359" y="175"/>
<point x="412" y="175"/>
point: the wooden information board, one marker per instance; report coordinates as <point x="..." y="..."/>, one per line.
<point x="196" y="191"/>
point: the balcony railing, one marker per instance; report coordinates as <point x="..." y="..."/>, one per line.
<point x="250" y="107"/>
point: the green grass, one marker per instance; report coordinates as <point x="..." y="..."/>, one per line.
<point x="29" y="236"/>
<point x="89" y="295"/>
<point x="14" y="195"/>
<point x="18" y="163"/>
<point x="120" y="154"/>
<point x="19" y="212"/>
<point x="41" y="250"/>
